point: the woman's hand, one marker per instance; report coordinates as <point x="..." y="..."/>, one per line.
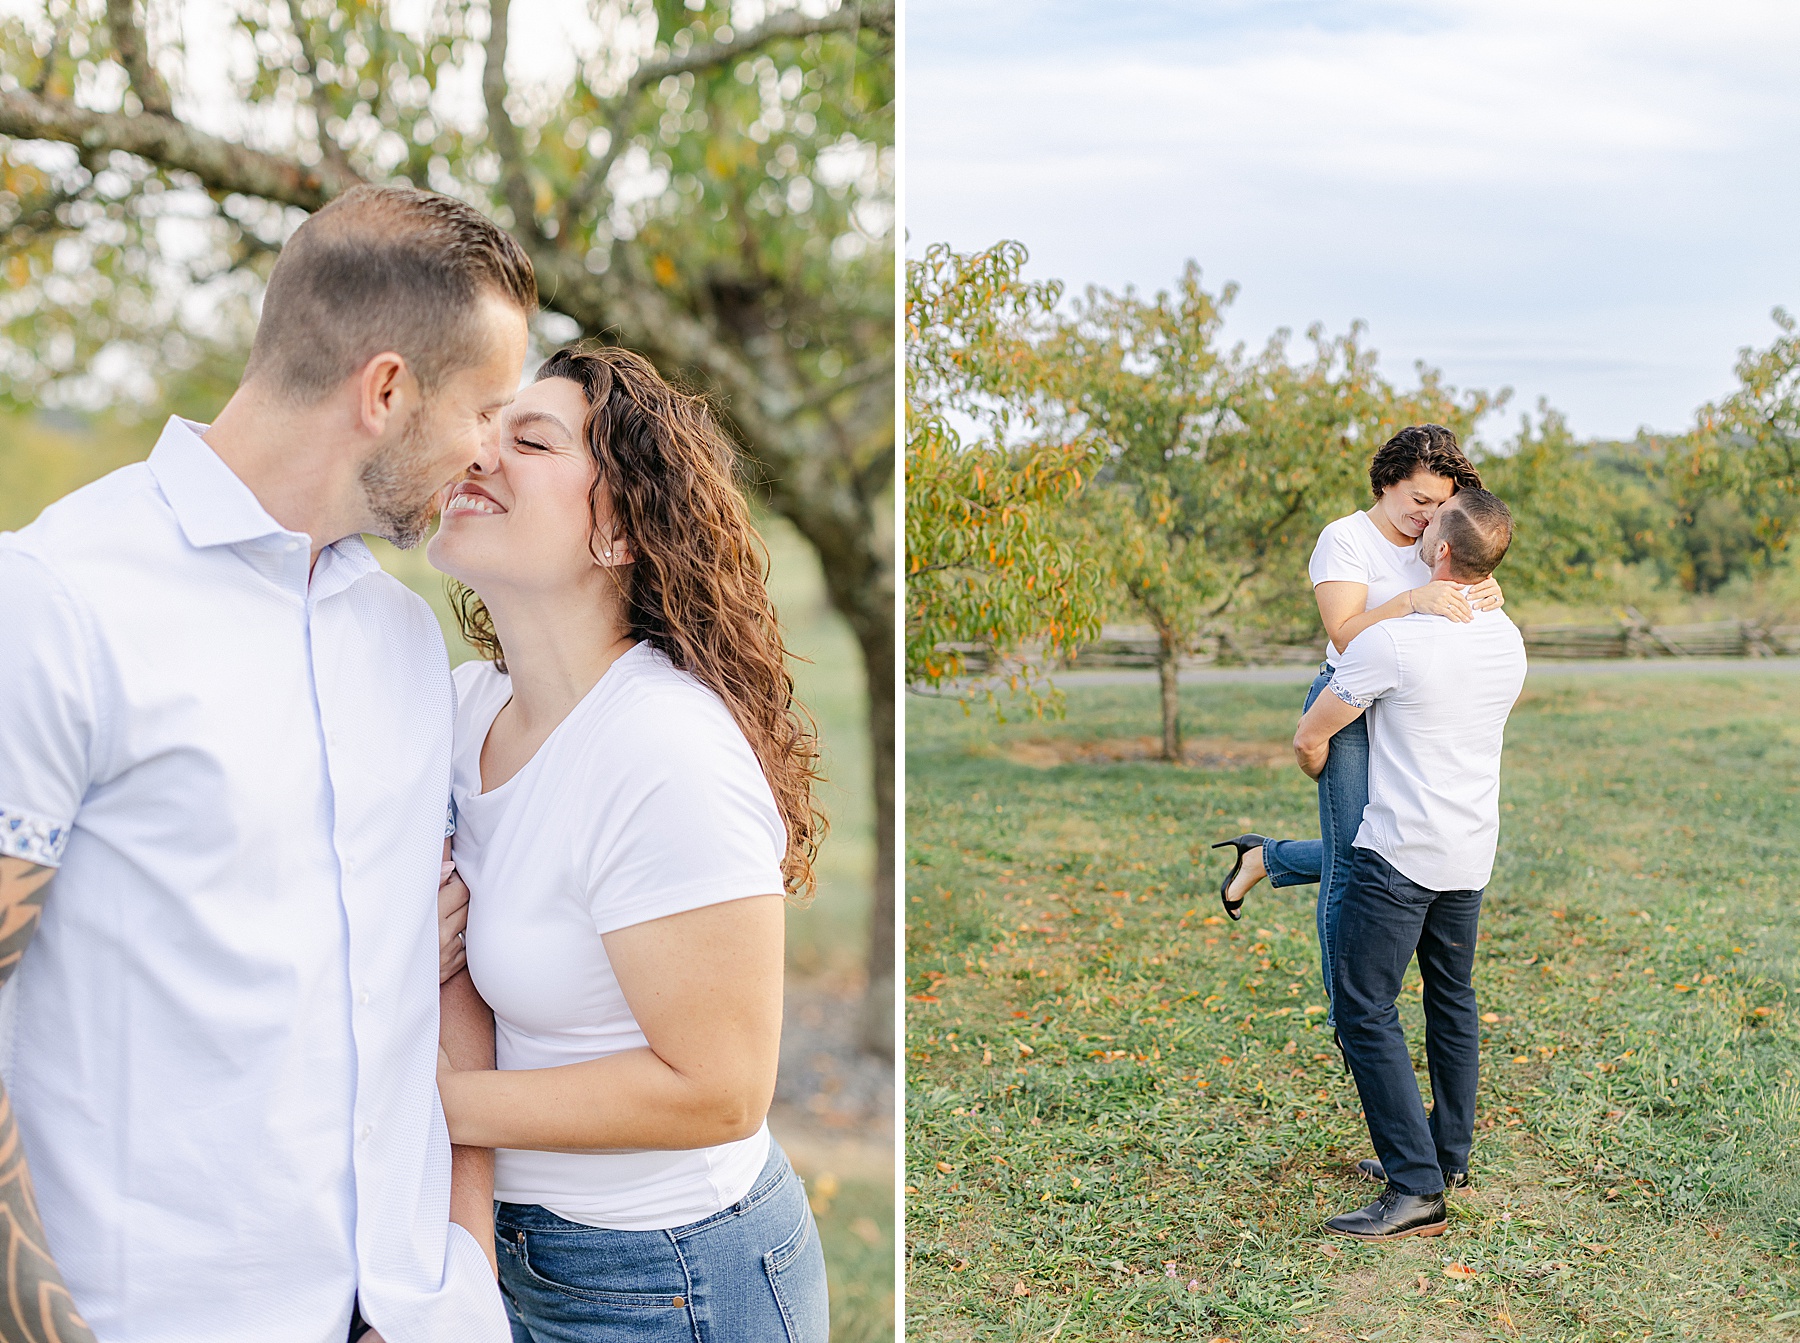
<point x="1442" y="599"/>
<point x="453" y="918"/>
<point x="1486" y="595"/>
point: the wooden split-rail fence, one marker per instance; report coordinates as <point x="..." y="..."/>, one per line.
<point x="1136" y="645"/>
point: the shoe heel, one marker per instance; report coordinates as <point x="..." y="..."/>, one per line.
<point x="1434" y="1230"/>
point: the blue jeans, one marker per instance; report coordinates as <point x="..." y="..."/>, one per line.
<point x="1343" y="793"/>
<point x="753" y="1273"/>
<point x="1386" y="918"/>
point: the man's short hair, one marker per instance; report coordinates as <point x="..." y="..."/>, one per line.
<point x="1421" y="447"/>
<point x="384" y="268"/>
<point x="1478" y="528"/>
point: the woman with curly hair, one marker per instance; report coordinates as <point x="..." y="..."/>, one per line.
<point x="1365" y="568"/>
<point x="632" y="782"/>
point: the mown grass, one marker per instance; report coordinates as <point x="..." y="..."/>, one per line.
<point x="856" y="1226"/>
<point x="1125" y="1118"/>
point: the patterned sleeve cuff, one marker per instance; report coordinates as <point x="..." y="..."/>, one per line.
<point x="32" y="838"/>
<point x="1353" y="700"/>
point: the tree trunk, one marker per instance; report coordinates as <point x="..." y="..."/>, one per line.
<point x="878" y="1001"/>
<point x="1168" y="672"/>
<point x="862" y="589"/>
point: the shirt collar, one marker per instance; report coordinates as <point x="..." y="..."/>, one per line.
<point x="215" y="508"/>
<point x="212" y="505"/>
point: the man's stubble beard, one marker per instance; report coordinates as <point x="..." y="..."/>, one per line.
<point x="401" y="498"/>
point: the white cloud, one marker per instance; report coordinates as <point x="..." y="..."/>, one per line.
<point x="1585" y="201"/>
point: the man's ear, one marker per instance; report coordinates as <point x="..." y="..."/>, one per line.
<point x="384" y="389"/>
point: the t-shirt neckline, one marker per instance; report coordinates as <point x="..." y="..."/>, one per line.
<point x="579" y="709"/>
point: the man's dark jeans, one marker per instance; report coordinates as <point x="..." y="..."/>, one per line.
<point x="1386" y="918"/>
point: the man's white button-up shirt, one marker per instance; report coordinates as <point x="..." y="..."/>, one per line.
<point x="221" y="1045"/>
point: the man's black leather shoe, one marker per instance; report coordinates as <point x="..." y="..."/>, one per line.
<point x="1370" y="1168"/>
<point x="1393" y="1216"/>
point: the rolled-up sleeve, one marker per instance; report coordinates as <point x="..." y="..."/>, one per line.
<point x="47" y="716"/>
<point x="1369" y="668"/>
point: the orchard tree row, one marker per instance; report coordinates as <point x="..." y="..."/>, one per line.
<point x="1109" y="453"/>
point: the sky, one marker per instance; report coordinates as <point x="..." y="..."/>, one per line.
<point x="1591" y="203"/>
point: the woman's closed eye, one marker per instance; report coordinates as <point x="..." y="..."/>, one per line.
<point x="533" y="443"/>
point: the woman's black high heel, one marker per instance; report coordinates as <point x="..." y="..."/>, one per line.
<point x="1242" y="843"/>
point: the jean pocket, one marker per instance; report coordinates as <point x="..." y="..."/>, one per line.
<point x="796" y="1269"/>
<point x="575" y="1267"/>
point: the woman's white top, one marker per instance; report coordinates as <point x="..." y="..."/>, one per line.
<point x="1353" y="550"/>
<point x="645" y="801"/>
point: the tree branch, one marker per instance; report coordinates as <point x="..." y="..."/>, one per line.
<point x="317" y="94"/>
<point x="877" y="15"/>
<point x="220" y="164"/>
<point x="502" y="131"/>
<point x="134" y="55"/>
<point x="789" y="23"/>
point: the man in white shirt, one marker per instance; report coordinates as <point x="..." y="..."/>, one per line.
<point x="224" y="770"/>
<point x="1441" y="693"/>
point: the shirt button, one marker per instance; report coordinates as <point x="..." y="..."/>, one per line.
<point x="363" y="998"/>
<point x="367" y="1129"/>
<point x="292" y="546"/>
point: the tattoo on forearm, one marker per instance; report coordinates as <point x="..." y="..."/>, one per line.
<point x="35" y="1306"/>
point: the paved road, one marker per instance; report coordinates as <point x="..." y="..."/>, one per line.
<point x="1539" y="667"/>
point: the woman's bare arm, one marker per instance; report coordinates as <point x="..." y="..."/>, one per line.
<point x="466" y="1038"/>
<point x="705" y="987"/>
<point x="1341" y="605"/>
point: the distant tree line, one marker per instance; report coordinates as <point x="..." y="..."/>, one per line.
<point x="1070" y="459"/>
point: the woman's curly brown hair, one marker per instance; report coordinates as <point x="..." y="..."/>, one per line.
<point x="698" y="587"/>
<point x="1422" y="447"/>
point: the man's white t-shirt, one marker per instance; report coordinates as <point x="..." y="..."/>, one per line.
<point x="1444" y="691"/>
<point x="1353" y="550"/>
<point x="645" y="801"/>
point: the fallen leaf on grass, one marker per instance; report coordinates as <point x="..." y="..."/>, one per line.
<point x="1520" y="1058"/>
<point x="1020" y="1289"/>
<point x="1212" y="919"/>
<point x="1314" y="1010"/>
<point x="1490" y="1017"/>
<point x="1460" y="1271"/>
<point x="923" y="998"/>
<point x="945" y="1167"/>
<point x="1423" y="1287"/>
<point x="1594" y="1247"/>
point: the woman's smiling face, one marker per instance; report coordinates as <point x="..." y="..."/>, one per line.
<point x="520" y="517"/>
<point x="1409" y="504"/>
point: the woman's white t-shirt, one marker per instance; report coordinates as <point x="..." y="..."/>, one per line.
<point x="1353" y="550"/>
<point x="645" y="801"/>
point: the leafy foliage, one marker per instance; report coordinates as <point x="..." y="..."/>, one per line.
<point x="1748" y="446"/>
<point x="1566" y="518"/>
<point x="991" y="556"/>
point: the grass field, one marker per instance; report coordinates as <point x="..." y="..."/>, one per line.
<point x="1126" y="1119"/>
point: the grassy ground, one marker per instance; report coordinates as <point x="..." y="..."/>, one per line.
<point x="1126" y="1119"/>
